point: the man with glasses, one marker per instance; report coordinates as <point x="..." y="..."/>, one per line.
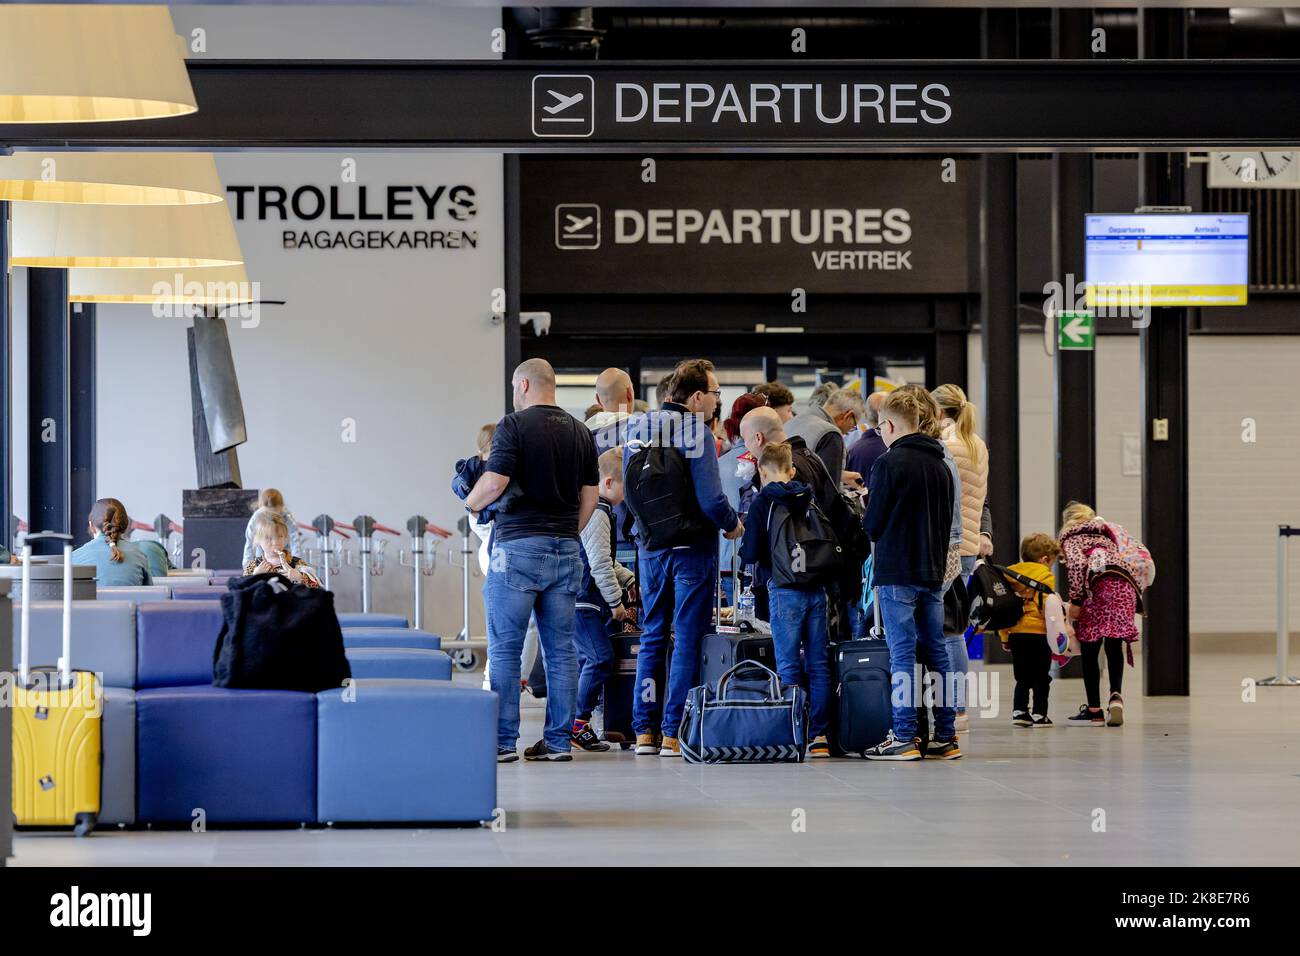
<point x="677" y="570"/>
<point x="823" y="429"/>
<point x="870" y="446"/>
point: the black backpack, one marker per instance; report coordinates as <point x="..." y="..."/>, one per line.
<point x="659" y="493"/>
<point x="804" y="550"/>
<point x="992" y="604"/>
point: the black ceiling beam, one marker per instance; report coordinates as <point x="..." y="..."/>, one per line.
<point x="995" y="105"/>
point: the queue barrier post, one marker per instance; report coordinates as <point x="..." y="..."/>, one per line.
<point x="422" y="563"/>
<point x="326" y="557"/>
<point x="462" y="653"/>
<point x="1281" y="679"/>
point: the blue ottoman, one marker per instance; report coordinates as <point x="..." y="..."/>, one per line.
<point x="406" y="751"/>
<point x="175" y="641"/>
<point x="359" y="619"/>
<point x="413" y="663"/>
<point x="243" y="756"/>
<point x="390" y="637"/>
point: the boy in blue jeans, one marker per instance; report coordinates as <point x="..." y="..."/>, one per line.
<point x="909" y="514"/>
<point x="798" y="614"/>
<point x="600" y="599"/>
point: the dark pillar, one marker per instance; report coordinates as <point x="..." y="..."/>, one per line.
<point x="950" y="358"/>
<point x="999" y="317"/>
<point x="1076" y="382"/>
<point x="514" y="274"/>
<point x="1163" y="345"/>
<point x="81" y="420"/>
<point x="49" y="442"/>
<point x="951" y="338"/>
<point x="6" y="387"/>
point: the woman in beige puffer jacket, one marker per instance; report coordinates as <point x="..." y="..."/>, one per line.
<point x="972" y="457"/>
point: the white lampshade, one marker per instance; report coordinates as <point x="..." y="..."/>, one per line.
<point x="65" y="236"/>
<point x="133" y="179"/>
<point x="218" y="286"/>
<point x="83" y="63"/>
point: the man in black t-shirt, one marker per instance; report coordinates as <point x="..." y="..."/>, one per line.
<point x="549" y="458"/>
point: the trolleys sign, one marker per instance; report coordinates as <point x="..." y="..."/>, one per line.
<point x="728" y="226"/>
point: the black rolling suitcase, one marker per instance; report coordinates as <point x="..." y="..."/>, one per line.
<point x="620" y="689"/>
<point x="726" y="647"/>
<point x="863" y="680"/>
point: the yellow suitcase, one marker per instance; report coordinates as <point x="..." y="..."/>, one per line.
<point x="57" y="731"/>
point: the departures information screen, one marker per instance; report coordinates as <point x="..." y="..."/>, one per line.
<point x="1167" y="259"/>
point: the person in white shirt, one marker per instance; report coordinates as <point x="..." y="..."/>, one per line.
<point x="270" y="500"/>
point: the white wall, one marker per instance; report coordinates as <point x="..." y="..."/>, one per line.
<point x="317" y="31"/>
<point x="1240" y="491"/>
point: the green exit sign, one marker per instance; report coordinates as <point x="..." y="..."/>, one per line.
<point x="1076" y="330"/>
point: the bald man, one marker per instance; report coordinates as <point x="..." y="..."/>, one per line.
<point x="762" y="427"/>
<point x="536" y="565"/>
<point x="614" y="392"/>
<point x="616" y="397"/>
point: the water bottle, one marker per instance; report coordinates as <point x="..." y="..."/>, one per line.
<point x="745" y="607"/>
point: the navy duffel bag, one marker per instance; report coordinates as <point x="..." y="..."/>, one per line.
<point x="748" y="717"/>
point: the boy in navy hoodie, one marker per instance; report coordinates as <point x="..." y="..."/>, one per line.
<point x="798" y="614"/>
<point x="909" y="515"/>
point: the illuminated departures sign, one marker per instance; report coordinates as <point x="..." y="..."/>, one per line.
<point x="339" y="217"/>
<point x="1101" y="104"/>
<point x="564" y="105"/>
<point x="743" y="226"/>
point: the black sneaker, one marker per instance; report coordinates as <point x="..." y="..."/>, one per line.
<point x="894" y="749"/>
<point x="506" y="756"/>
<point x="539" y="751"/>
<point x="944" y="749"/>
<point x="584" y="738"/>
<point x="1021" y="718"/>
<point x="1042" y="720"/>
<point x="1087" y="718"/>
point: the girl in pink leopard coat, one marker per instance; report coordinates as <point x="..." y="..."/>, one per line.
<point x="1103" y="614"/>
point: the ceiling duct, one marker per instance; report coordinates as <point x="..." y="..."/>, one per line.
<point x="566" y="30"/>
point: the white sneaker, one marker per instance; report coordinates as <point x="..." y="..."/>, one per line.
<point x="963" y="724"/>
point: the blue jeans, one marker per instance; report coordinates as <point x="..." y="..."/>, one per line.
<point x="799" y="622"/>
<point x="958" y="656"/>
<point x="859" y="623"/>
<point x="534" y="575"/>
<point x="676" y="594"/>
<point x="913" y="616"/>
<point x="597" y="654"/>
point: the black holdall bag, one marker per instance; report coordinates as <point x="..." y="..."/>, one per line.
<point x="278" y="636"/>
<point x="661" y="496"/>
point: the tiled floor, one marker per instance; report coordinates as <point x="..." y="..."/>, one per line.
<point x="1205" y="780"/>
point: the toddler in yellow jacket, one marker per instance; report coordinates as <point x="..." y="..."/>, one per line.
<point x="1031" y="658"/>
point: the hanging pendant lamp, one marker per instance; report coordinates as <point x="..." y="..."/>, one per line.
<point x="90" y="63"/>
<point x="132" y="179"/>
